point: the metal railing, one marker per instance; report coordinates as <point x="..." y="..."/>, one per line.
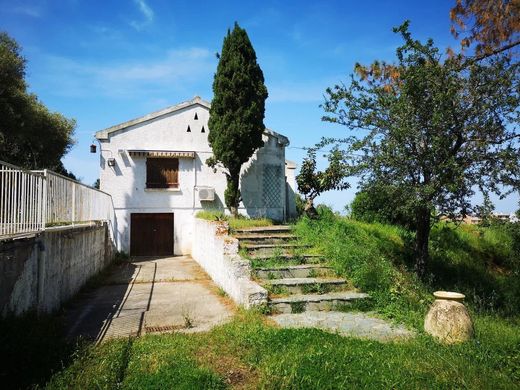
<point x="30" y="201"/>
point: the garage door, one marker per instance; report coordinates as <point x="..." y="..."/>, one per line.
<point x="151" y="234"/>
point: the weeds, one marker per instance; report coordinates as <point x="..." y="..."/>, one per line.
<point x="297" y="307"/>
<point x="221" y="292"/>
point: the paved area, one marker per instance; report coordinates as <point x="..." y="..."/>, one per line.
<point x="347" y="324"/>
<point x="148" y="296"/>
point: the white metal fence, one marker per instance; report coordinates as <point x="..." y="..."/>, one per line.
<point x="30" y="201"/>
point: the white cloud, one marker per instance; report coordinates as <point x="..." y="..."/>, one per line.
<point x="29" y="10"/>
<point x="177" y="68"/>
<point x="147" y="13"/>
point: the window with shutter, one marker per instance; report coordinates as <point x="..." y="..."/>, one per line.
<point x="162" y="173"/>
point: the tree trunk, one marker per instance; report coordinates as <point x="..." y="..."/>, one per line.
<point x="421" y="240"/>
<point x="309" y="209"/>
<point x="232" y="193"/>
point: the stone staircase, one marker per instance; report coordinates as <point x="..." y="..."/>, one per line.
<point x="297" y="281"/>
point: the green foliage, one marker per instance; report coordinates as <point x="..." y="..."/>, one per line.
<point x="238" y="222"/>
<point x="211" y="215"/>
<point x="481" y="262"/>
<point x="311" y="183"/>
<point x="30" y="135"/>
<point x="380" y="204"/>
<point x="433" y="127"/>
<point x="236" y="120"/>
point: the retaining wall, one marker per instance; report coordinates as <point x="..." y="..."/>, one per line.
<point x="42" y="271"/>
<point x="217" y="253"/>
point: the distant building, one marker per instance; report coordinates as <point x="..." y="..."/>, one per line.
<point x="474" y="220"/>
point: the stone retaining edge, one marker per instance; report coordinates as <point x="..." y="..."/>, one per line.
<point x="217" y="252"/>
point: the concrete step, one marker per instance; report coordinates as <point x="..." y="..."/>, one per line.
<point x="266" y="236"/>
<point x="275" y="238"/>
<point x="265" y="229"/>
<point x="302" y="259"/>
<point x="304" y="285"/>
<point x="272" y="250"/>
<point x="315" y="302"/>
<point x="293" y="271"/>
<point x="256" y="246"/>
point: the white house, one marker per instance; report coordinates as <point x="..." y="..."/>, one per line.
<point x="154" y="168"/>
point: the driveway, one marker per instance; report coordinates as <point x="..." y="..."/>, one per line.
<point x="148" y="296"/>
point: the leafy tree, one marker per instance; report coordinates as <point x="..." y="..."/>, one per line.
<point x="30" y="135"/>
<point x="311" y="183"/>
<point x="489" y="26"/>
<point x="237" y="111"/>
<point x="433" y="129"/>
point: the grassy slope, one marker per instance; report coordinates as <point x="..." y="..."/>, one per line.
<point x="251" y="353"/>
<point x="483" y="263"/>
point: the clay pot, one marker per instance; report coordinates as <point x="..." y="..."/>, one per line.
<point x="448" y="319"/>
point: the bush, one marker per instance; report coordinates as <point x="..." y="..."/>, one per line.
<point x="380" y="205"/>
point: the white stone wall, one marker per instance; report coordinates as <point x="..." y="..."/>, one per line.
<point x="126" y="181"/>
<point x="217" y="253"/>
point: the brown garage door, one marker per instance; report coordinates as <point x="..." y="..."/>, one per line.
<point x="151" y="234"/>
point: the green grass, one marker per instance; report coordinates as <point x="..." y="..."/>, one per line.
<point x="234" y="223"/>
<point x="483" y="263"/>
<point x="248" y="353"/>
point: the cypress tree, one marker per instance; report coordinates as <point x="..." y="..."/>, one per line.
<point x="237" y="111"/>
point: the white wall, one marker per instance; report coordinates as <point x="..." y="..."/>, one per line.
<point x="126" y="180"/>
<point x="217" y="253"/>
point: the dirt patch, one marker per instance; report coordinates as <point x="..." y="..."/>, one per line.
<point x="235" y="372"/>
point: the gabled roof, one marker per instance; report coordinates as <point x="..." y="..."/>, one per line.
<point x="197" y="100"/>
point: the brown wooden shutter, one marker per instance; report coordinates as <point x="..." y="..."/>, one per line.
<point x="162" y="172"/>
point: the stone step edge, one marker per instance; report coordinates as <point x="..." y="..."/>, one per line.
<point x="260" y="246"/>
<point x="288" y="257"/>
<point x="343" y="295"/>
<point x="273" y="228"/>
<point x="264" y="236"/>
<point x="303" y="281"/>
<point x="293" y="267"/>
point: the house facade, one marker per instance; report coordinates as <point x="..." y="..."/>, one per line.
<point x="154" y="168"/>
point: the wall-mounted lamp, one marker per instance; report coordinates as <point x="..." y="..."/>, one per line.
<point x="111" y="162"/>
<point x="92" y="148"/>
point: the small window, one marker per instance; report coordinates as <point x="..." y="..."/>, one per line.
<point x="162" y="173"/>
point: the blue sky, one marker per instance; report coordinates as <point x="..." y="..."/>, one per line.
<point x="103" y="63"/>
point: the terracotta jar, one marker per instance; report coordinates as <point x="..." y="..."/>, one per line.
<point x="448" y="319"/>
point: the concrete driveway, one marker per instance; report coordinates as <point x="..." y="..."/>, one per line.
<point x="148" y="296"/>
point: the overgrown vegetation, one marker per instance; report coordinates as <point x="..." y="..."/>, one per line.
<point x="481" y="262"/>
<point x="235" y="223"/>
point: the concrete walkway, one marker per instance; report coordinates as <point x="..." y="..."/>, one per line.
<point x="149" y="296"/>
<point x="360" y="325"/>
